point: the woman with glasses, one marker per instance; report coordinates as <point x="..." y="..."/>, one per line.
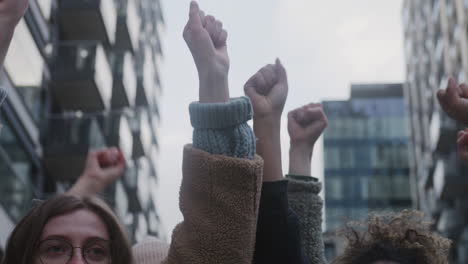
<point x="67" y="229"/>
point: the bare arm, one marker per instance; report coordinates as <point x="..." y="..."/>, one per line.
<point x="11" y="12"/>
<point x="102" y="168"/>
<point x="305" y="125"/>
<point x="268" y="90"/>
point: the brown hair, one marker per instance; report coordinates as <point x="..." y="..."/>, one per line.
<point x="400" y="237"/>
<point x="22" y="244"/>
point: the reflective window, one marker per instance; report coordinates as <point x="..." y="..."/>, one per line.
<point x="401" y="187"/>
<point x="15" y="174"/>
<point x="25" y="65"/>
<point x="334" y="188"/>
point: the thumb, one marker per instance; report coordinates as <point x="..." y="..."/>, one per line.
<point x="452" y="92"/>
<point x="251" y="92"/>
<point x="250" y="88"/>
<point x="194" y="14"/>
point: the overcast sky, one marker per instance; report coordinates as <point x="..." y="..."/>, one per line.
<point x="325" y="46"/>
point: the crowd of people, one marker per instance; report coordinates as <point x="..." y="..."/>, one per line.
<point x="237" y="205"/>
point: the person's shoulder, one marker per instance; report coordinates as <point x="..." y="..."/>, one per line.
<point x="151" y="250"/>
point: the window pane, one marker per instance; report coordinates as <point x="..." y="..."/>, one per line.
<point x="24" y="65"/>
<point x="15" y="174"/>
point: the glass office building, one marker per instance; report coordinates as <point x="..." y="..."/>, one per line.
<point x="366" y="154"/>
<point x="82" y="75"/>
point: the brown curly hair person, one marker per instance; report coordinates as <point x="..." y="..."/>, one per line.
<point x="396" y="238"/>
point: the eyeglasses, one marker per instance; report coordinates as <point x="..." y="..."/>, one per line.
<point x="59" y="251"/>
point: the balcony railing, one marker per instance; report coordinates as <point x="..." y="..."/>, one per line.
<point x="125" y="82"/>
<point x="143" y="134"/>
<point x="88" y="20"/>
<point x="128" y="25"/>
<point x="146" y="78"/>
<point x="118" y="133"/>
<point x="67" y="140"/>
<point x="144" y="188"/>
<point x="81" y="77"/>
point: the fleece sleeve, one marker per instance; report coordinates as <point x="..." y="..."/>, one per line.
<point x="219" y="200"/>
<point x="304" y="200"/>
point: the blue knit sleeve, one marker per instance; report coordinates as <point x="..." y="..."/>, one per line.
<point x="221" y="128"/>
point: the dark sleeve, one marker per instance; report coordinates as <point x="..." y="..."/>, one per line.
<point x="278" y="233"/>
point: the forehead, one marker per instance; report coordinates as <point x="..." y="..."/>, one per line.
<point x="77" y="226"/>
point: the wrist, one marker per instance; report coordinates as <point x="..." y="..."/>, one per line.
<point x="300" y="156"/>
<point x="84" y="187"/>
<point x="301" y="149"/>
<point x="214" y="87"/>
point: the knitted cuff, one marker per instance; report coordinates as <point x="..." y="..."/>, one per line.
<point x="307" y="184"/>
<point x="221" y="128"/>
<point x="220" y="115"/>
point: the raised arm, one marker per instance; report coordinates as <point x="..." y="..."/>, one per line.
<point x="268" y="90"/>
<point x="305" y="125"/>
<point x="11" y="11"/>
<point x="102" y="168"/>
<point x="278" y="234"/>
<point x="221" y="183"/>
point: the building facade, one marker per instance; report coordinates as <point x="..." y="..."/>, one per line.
<point x="436" y="47"/>
<point x="366" y="154"/>
<point x="82" y="75"/>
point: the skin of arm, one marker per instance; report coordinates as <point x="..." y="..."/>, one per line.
<point x="103" y="167"/>
<point x="268" y="90"/>
<point x="305" y="125"/>
<point x="11" y="11"/>
<point x="207" y="41"/>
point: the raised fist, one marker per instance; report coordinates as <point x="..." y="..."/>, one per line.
<point x="206" y="40"/>
<point x="454" y="101"/>
<point x="268" y="90"/>
<point x="306" y="124"/>
<point x="102" y="168"/>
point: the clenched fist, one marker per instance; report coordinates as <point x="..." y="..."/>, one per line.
<point x="102" y="168"/>
<point x="207" y="41"/>
<point x="268" y="90"/>
<point x="306" y="124"/>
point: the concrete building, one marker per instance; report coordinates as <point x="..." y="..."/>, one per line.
<point x="436" y="47"/>
<point x="82" y="75"/>
<point x="366" y="153"/>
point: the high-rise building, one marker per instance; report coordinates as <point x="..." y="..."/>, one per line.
<point x="81" y="75"/>
<point x="436" y="47"/>
<point x="366" y="154"/>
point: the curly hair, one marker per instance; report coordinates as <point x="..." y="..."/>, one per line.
<point x="399" y="237"/>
